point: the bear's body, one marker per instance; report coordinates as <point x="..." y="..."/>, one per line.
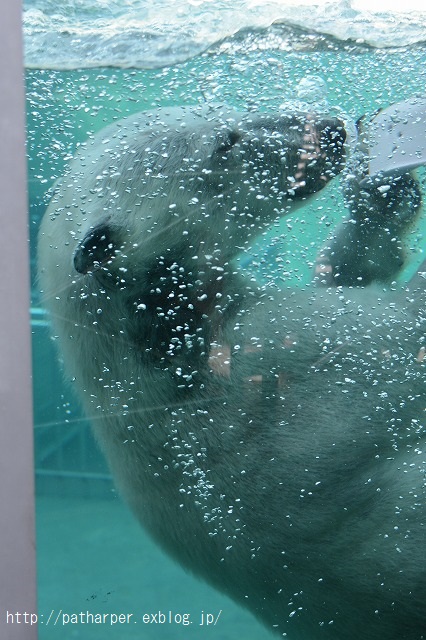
<point x="269" y="440"/>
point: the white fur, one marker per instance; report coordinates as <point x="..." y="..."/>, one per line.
<point x="293" y="480"/>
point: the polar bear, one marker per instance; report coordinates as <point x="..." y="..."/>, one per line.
<point x="268" y="439"/>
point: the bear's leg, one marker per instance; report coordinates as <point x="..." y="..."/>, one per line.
<point x="369" y="245"/>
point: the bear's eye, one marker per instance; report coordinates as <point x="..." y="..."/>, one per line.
<point x="225" y="143"/>
<point x="96" y="248"/>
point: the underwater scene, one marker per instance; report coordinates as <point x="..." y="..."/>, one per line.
<point x="100" y="574"/>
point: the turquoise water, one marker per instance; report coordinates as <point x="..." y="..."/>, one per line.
<point x="91" y="554"/>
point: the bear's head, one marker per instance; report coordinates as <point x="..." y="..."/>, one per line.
<point x="199" y="183"/>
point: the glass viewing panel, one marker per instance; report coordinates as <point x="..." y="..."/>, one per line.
<point x="261" y="421"/>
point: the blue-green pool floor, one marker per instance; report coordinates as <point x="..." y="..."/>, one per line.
<point x="93" y="557"/>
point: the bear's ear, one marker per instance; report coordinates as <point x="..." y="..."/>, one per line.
<point x="96" y="248"/>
